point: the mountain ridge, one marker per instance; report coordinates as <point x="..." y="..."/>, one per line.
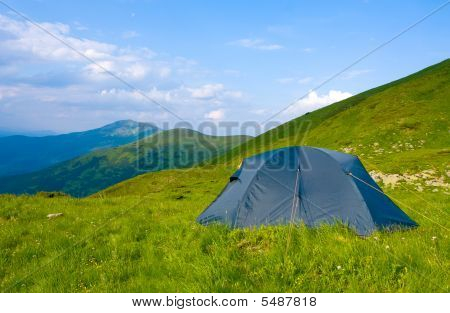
<point x="91" y="172"/>
<point x="23" y="154"/>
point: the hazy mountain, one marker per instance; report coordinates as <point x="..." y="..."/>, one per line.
<point x="5" y="132"/>
<point x="89" y="173"/>
<point x="23" y="154"/>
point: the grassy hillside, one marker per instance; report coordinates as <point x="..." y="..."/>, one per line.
<point x="23" y="154"/>
<point x="87" y="174"/>
<point x="391" y="122"/>
<point x="140" y="235"/>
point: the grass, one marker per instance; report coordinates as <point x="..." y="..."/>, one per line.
<point x="130" y="243"/>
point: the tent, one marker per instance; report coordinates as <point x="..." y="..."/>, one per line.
<point x="304" y="184"/>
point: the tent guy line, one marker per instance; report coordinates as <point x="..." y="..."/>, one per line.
<point x="409" y="191"/>
<point x="433" y="221"/>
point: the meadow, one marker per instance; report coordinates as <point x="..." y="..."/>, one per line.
<point x="125" y="242"/>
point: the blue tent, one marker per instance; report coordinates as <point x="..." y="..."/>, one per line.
<point x="304" y="184"/>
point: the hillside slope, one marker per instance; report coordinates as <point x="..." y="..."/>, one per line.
<point x="178" y="148"/>
<point x="23" y="154"/>
<point x="401" y="127"/>
<point x="391" y="122"/>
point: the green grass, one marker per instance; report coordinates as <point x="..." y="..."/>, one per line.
<point x="141" y="236"/>
<point x="414" y="110"/>
<point x="131" y="243"/>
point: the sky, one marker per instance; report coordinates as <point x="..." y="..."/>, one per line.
<point x="163" y="61"/>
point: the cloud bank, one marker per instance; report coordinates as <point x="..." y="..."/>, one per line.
<point x="256" y="44"/>
<point x="44" y="82"/>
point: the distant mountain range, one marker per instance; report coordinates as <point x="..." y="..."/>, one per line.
<point x="5" y="132"/>
<point x="89" y="173"/>
<point x="23" y="154"/>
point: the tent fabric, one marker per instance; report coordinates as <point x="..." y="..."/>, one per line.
<point x="304" y="185"/>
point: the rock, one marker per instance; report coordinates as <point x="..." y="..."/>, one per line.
<point x="54" y="215"/>
<point x="348" y="149"/>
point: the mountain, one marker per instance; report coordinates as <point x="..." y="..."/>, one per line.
<point x="89" y="173"/>
<point x="23" y="154"/>
<point x="6" y="132"/>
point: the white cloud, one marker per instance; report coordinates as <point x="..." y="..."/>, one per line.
<point x="80" y="27"/>
<point x="8" y="91"/>
<point x="259" y="111"/>
<point x="216" y="115"/>
<point x="83" y="105"/>
<point x="314" y="101"/>
<point x="165" y="72"/>
<point x="206" y="91"/>
<point x="256" y="44"/>
<point x="202" y="96"/>
<point x="280" y="30"/>
<point x="290" y="80"/>
<point x="233" y="94"/>
<point x="24" y="37"/>
<point x="286" y="80"/>
<point x="24" y="41"/>
<point x="355" y="73"/>
<point x="305" y="80"/>
<point x="63" y="89"/>
<point x="234" y="73"/>
<point x="130" y="34"/>
<point x="118" y="95"/>
<point x="308" y="50"/>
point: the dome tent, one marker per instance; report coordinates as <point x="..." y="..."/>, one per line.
<point x="304" y="184"/>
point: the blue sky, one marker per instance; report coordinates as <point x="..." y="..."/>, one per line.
<point x="205" y="61"/>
